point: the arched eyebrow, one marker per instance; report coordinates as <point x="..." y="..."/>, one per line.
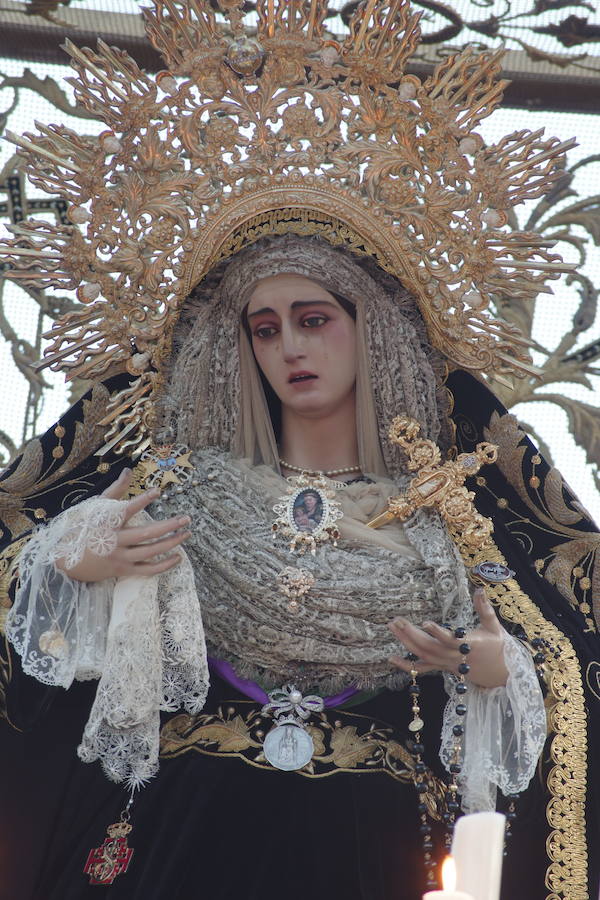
<point x="297" y="304"/>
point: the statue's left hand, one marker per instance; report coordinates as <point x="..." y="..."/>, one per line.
<point x="436" y="648"/>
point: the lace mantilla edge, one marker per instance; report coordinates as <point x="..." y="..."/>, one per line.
<point x="143" y="638"/>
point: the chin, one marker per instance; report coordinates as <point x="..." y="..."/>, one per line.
<point x="313" y="408"/>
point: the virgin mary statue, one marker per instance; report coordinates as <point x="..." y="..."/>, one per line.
<point x="288" y="590"/>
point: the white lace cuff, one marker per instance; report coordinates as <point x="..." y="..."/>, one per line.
<point x="58" y="625"/>
<point x="142" y="637"/>
<point x="505" y="732"/>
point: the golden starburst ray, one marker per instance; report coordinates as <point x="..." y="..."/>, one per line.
<point x="278" y="129"/>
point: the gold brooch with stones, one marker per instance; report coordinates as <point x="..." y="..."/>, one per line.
<point x="167" y="467"/>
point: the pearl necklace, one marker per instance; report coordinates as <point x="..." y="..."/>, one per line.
<point x="331" y="474"/>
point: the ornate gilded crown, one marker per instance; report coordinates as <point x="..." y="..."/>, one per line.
<point x="275" y="129"/>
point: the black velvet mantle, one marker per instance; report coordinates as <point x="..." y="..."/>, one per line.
<point x="210" y="826"/>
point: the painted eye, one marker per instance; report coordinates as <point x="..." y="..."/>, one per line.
<point x="265" y="331"/>
<point x="314" y="321"/>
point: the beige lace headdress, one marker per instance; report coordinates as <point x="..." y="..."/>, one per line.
<point x="281" y="128"/>
<point x="214" y="390"/>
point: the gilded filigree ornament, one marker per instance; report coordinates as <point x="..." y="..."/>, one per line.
<point x="165" y="465"/>
<point x="439" y="485"/>
<point x="241" y="125"/>
<point x="294" y="584"/>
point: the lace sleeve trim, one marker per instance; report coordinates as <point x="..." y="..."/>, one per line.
<point x="58" y="625"/>
<point x="142" y="637"/>
<point x="505" y="732"/>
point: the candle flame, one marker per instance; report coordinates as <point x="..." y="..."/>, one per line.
<point x="449" y="874"/>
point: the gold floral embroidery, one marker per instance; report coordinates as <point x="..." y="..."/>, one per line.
<point x="21" y="491"/>
<point x="575" y="548"/>
<point x="8" y="574"/>
<point x="343" y="742"/>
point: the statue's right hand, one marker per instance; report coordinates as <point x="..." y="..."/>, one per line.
<point x="138" y="546"/>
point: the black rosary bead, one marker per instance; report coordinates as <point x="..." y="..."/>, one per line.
<point x="417" y="749"/>
<point x="539" y="658"/>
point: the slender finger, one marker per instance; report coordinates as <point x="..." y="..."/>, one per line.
<point x="136" y="504"/>
<point x="443" y="635"/>
<point x="146" y="552"/>
<point x="485" y="611"/>
<point x="132" y="535"/>
<point x="416" y="640"/>
<point x="156" y="568"/>
<point x="119" y="488"/>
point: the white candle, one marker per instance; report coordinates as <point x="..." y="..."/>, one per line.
<point x="477" y="849"/>
<point x="449" y="881"/>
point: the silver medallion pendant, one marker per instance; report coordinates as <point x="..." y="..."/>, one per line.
<point x="288" y="747"/>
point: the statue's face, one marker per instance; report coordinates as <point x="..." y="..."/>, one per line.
<point x="304" y="343"/>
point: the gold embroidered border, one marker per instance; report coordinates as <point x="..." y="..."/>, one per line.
<point x="566" y="875"/>
<point x="343" y="742"/>
<point x="9" y="562"/>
